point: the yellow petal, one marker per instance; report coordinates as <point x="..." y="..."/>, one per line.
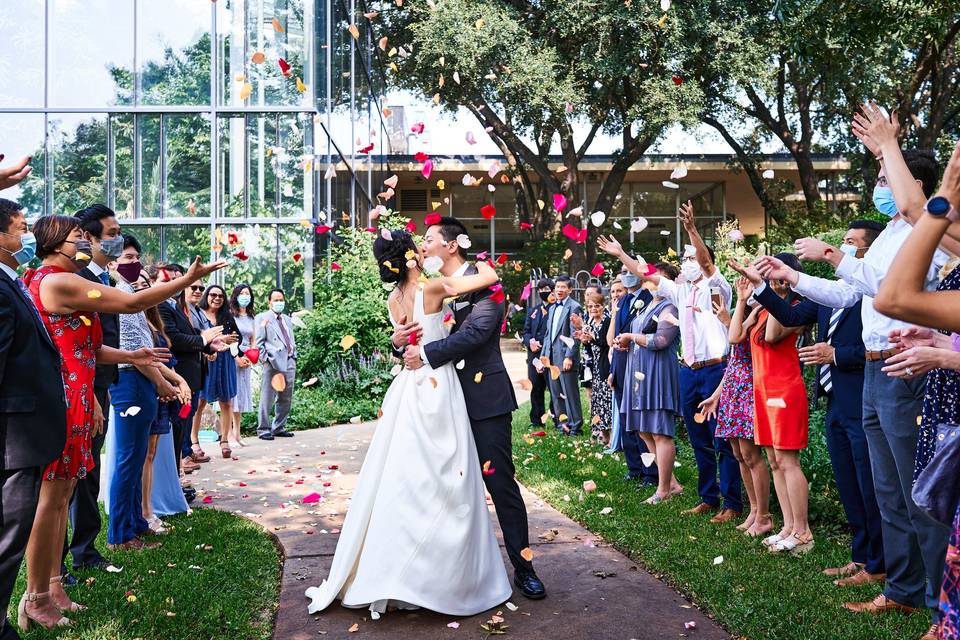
<point x="277" y="26"/>
<point x="440" y="82"/>
<point x="347" y="341"/>
<point x="477" y="378"/>
<point x="392" y="52"/>
<point x="436" y="98"/>
<point x="410" y="254"/>
<point x="382" y="43"/>
<point x="300" y="86"/>
<point x="436" y="205"/>
<point x="354" y="31"/>
<point x="93" y="294"/>
<point x="393" y="67"/>
<point x="671" y="252"/>
<point x="441" y="185"/>
<point x="541" y="203"/>
<point x="245" y="90"/>
<point x="479" y="23"/>
<point x="662" y="21"/>
<point x="85" y="320"/>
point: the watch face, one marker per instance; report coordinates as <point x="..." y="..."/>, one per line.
<point x="938" y="206"/>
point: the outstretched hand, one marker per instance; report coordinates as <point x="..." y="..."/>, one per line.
<point x="772" y="268"/>
<point x="685" y="213"/>
<point x="610" y="245"/>
<point x="875" y="129"/>
<point x="12" y="175"/>
<point x="747" y="271"/>
<point x="199" y="270"/>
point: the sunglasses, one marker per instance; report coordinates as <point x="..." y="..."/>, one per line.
<point x="195" y="287"/>
<point x="215" y="296"/>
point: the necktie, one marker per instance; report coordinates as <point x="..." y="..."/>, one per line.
<point x="555" y="329"/>
<point x="285" y="334"/>
<point x="33" y="307"/>
<point x="825" y="381"/>
<point x="105" y="278"/>
<point x="687" y="334"/>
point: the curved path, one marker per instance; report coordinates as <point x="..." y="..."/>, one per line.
<point x="267" y="481"/>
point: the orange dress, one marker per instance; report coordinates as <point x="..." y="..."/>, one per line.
<point x="77" y="336"/>
<point x="780" y="397"/>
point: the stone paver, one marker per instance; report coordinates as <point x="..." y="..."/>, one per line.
<point x="267" y="481"/>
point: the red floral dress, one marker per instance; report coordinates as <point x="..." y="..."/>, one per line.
<point x="78" y="336"/>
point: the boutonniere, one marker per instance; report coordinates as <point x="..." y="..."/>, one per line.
<point x="639" y="304"/>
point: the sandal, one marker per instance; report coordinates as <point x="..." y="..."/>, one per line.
<point x="771" y="541"/>
<point x="767" y="518"/>
<point x="794" y="545"/>
<point x="24" y="617"/>
<point x="73" y="607"/>
<point x="197" y="454"/>
<point x="225" y="449"/>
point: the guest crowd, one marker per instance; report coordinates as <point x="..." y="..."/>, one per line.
<point x="100" y="352"/>
<point x="660" y="344"/>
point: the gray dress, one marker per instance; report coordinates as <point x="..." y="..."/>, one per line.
<point x="243" y="401"/>
<point x="651" y="400"/>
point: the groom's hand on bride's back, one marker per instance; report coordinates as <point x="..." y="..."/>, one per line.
<point x="411" y="357"/>
<point x="402" y="332"/>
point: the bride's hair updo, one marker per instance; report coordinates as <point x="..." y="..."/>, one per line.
<point x="393" y="251"/>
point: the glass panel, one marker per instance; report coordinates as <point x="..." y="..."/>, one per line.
<point x="173" y="40"/>
<point x="252" y="250"/>
<point x="188" y="165"/>
<point x="22" y="135"/>
<point x="21" y="56"/>
<point x="123" y="197"/>
<point x="151" y="169"/>
<point x="183" y="243"/>
<point x="91" y="52"/>
<point x="78" y="145"/>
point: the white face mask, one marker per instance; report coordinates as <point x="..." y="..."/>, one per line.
<point x="691" y="270"/>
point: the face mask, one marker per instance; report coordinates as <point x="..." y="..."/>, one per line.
<point x="545" y="295"/>
<point x="850" y="250"/>
<point x="243" y="301"/>
<point x="278" y="306"/>
<point x="883" y="201"/>
<point x="27" y="251"/>
<point x="691" y="270"/>
<point x="82" y="257"/>
<point x="130" y="270"/>
<point x="629" y="280"/>
<point x="112" y="247"/>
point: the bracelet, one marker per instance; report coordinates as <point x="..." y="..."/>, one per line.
<point x="955" y="338"/>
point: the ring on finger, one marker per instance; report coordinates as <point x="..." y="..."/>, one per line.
<point x="908" y="371"/>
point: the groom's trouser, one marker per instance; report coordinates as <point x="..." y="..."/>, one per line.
<point x="494" y="444"/>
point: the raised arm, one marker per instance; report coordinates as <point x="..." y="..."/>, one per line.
<point x="447" y="286"/>
<point x="642" y="270"/>
<point x="690" y="226"/>
<point x="742" y="319"/>
<point x="830" y="293"/>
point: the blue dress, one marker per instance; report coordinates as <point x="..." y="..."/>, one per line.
<point x="651" y="399"/>
<point x="220" y="385"/>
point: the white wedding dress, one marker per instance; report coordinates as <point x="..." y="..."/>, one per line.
<point x="417" y="532"/>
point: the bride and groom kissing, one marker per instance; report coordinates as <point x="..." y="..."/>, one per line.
<point x="417" y="533"/>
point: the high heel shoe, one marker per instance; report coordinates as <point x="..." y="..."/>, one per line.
<point x="73" y="607"/>
<point x="225" y="449"/>
<point x="24" y="617"/>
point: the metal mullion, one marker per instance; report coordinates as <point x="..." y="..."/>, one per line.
<point x="154" y="108"/>
<point x="136" y="57"/>
<point x="137" y="166"/>
<point x="214" y="138"/>
<point x="47" y="160"/>
<point x="111" y="199"/>
<point x="277" y="192"/>
<point x="246" y="165"/>
<point x="163" y="166"/>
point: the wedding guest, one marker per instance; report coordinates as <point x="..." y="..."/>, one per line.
<point x="68" y="310"/>
<point x="33" y="410"/>
<point x="617" y="291"/>
<point x="278" y="353"/>
<point x="220" y="385"/>
<point x="586" y="361"/>
<point x="563" y="354"/>
<point x="652" y="402"/>
<point x="914" y="546"/>
<point x="594" y="338"/>
<point x="243" y="308"/>
<point x="534" y="333"/>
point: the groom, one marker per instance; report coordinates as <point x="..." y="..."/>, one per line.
<point x="474" y="345"/>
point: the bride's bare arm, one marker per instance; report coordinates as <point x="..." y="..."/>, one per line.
<point x="447" y="286"/>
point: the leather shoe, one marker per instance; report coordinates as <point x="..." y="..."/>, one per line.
<point x="68" y="580"/>
<point x="530" y="585"/>
<point x="933" y="633"/>
<point x="99" y="563"/>
<point x="842" y="572"/>
<point x="725" y="515"/>
<point x="266" y="436"/>
<point x="861" y="578"/>
<point x="700" y="509"/>
<point x="880" y="604"/>
<point x="282" y="434"/>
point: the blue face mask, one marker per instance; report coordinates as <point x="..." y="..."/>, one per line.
<point x="28" y="248"/>
<point x="243" y="301"/>
<point x="112" y="247"/>
<point x="278" y="306"/>
<point x="883" y="201"/>
<point x="629" y="280"/>
<point x="849" y="250"/>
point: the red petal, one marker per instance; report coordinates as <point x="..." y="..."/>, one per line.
<point x="432" y="219"/>
<point x="335" y="266"/>
<point x="677" y="80"/>
<point x="488" y="211"/>
<point x="420" y="156"/>
<point x="597" y="270"/>
<point x="502" y="259"/>
<point x="284" y="67"/>
<point x="539" y="434"/>
<point x="322" y="228"/>
<point x="412" y="226"/>
<point x="240" y="255"/>
<point x="297" y="256"/>
<point x="525" y="226"/>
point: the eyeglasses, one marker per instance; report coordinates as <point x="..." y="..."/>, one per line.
<point x="215" y="296"/>
<point x="196" y="287"/>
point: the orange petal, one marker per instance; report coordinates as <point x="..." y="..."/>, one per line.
<point x="277" y="26"/>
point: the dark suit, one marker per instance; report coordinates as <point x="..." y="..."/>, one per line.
<point x="565" y="390"/>
<point x="475" y="339"/>
<point x="535" y="328"/>
<point x="633" y="446"/>
<point x="84" y="509"/>
<point x="187" y="347"/>
<point x="846" y="440"/>
<point x="33" y="427"/>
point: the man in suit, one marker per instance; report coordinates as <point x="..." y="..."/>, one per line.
<point x="562" y="351"/>
<point x="534" y="333"/>
<point x="839" y="359"/>
<point x="101" y="229"/>
<point x="33" y="427"/>
<point x="633" y="302"/>
<point x="475" y="340"/>
<point x="278" y="353"/>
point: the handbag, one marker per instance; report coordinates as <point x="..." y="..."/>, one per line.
<point x="937" y="488"/>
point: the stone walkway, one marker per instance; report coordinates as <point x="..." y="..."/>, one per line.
<point x="268" y="482"/>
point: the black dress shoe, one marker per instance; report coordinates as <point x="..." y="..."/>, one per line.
<point x="68" y="580"/>
<point x="266" y="436"/>
<point x="99" y="563"/>
<point x="189" y="494"/>
<point x="530" y="585"/>
<point x="282" y="434"/>
<point x="647" y="481"/>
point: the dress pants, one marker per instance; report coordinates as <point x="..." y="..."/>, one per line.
<point x="493" y="439"/>
<point x="850" y="458"/>
<point x="132" y="435"/>
<point x="19" y="494"/>
<point x="710" y="452"/>
<point x="538" y="393"/>
<point x="269" y="395"/>
<point x="914" y="545"/>
<point x="565" y="399"/>
<point x="84" y="509"/>
<point x="632" y="444"/>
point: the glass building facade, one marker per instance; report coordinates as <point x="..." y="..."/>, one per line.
<point x="228" y="127"/>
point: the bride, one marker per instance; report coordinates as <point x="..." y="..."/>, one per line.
<point x="418" y="533"/>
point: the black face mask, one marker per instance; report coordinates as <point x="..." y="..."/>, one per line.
<point x="544" y="295"/>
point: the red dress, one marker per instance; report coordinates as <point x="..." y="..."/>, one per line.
<point x="779" y="396"/>
<point x="78" y="336"/>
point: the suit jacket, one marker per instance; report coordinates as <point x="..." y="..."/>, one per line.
<point x="849" y="354"/>
<point x="475" y="339"/>
<point x="535" y="328"/>
<point x="553" y="346"/>
<point x="625" y="316"/>
<point x="106" y="373"/>
<point x="186" y="344"/>
<point x="33" y="409"/>
<point x="273" y="349"/>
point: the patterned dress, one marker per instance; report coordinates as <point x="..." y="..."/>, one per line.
<point x="78" y="336"/>
<point x="941" y="398"/>
<point x="950" y="593"/>
<point x="601" y="399"/>
<point x="735" y="409"/>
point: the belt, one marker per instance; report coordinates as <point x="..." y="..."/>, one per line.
<point x="874" y="356"/>
<point x="703" y="363"/>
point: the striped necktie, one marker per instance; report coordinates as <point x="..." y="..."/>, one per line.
<point x="825" y="381"/>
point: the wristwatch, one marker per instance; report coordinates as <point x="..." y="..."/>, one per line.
<point x="941" y="207"/>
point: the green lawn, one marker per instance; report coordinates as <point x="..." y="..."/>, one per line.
<point x="217" y="575"/>
<point x="752" y="593"/>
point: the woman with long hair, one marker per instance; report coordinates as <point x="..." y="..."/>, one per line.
<point x="243" y="307"/>
<point x="220" y="385"/>
<point x="68" y="306"/>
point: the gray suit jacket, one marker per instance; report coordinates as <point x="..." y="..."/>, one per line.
<point x="273" y="350"/>
<point x="554" y="348"/>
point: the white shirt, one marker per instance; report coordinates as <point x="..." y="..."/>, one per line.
<point x="711" y="339"/>
<point x="10" y="272"/>
<point x="95" y="269"/>
<point x="861" y="279"/>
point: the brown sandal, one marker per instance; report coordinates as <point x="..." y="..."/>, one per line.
<point x="197" y="454"/>
<point x="225" y="450"/>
